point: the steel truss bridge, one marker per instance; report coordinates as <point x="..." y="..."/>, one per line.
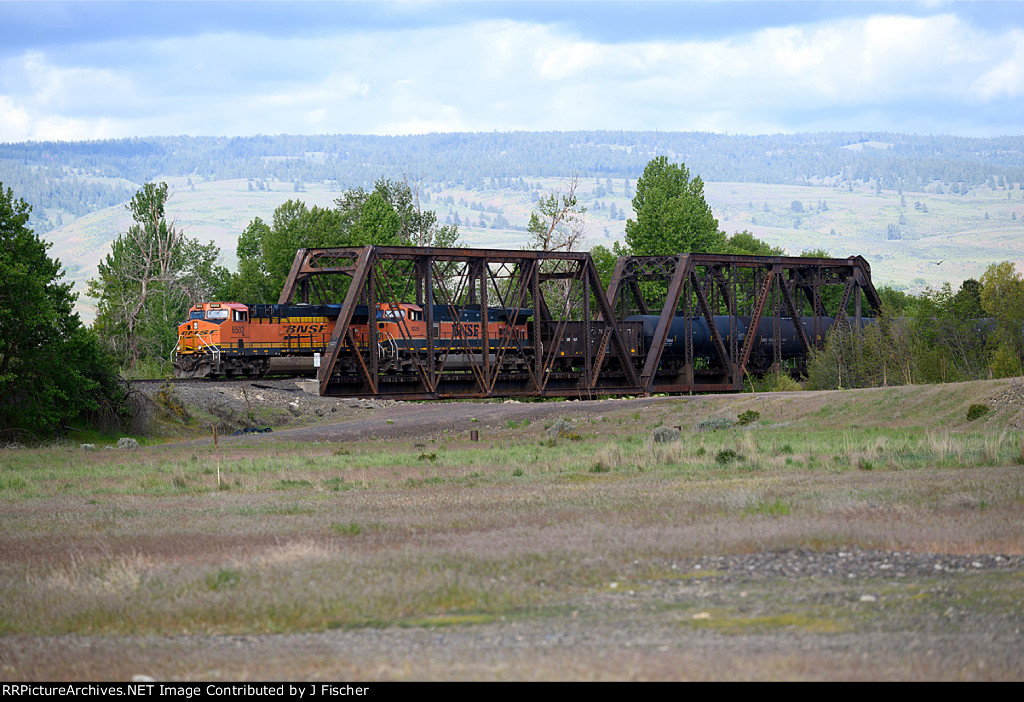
<point x="579" y="342"/>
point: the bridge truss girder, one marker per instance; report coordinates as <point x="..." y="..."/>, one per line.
<point x="562" y="289"/>
<point x="703" y="286"/>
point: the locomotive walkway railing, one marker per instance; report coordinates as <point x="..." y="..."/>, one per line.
<point x="547" y="327"/>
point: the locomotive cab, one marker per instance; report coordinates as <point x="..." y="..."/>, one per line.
<point x="211" y="330"/>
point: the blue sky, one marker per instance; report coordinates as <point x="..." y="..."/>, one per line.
<point x="84" y="70"/>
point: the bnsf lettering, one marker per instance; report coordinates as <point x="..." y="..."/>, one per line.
<point x="197" y="332"/>
<point x="305" y="328"/>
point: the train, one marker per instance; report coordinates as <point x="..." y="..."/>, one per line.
<point x="232" y="339"/>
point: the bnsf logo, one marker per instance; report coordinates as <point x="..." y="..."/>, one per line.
<point x="305" y="328"/>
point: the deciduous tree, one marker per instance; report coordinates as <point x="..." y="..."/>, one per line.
<point x="671" y="213"/>
<point x="150" y="278"/>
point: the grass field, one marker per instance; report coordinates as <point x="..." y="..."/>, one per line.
<point x="594" y="533"/>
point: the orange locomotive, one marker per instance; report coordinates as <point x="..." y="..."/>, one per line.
<point x="234" y="339"/>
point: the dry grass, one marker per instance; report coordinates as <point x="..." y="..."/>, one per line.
<point x="321" y="538"/>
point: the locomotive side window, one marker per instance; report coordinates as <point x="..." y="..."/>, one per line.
<point x="240" y="316"/>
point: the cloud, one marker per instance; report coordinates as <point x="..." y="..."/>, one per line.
<point x="880" y="71"/>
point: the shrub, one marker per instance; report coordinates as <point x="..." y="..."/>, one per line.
<point x="714" y="424"/>
<point x="726" y="456"/>
<point x="976" y="411"/>
<point x="665" y="435"/>
<point x="782" y="382"/>
<point x="748" y="417"/>
<point x="560" y="427"/>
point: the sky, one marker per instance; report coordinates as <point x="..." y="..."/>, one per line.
<point x="101" y="70"/>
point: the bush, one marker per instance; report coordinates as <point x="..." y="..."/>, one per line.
<point x="781" y="382"/>
<point x="748" y="417"/>
<point x="560" y="427"/>
<point x="976" y="411"/>
<point x="665" y="435"/>
<point x="714" y="424"/>
<point x="726" y="456"/>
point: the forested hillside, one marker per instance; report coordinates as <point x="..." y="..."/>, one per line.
<point x="923" y="209"/>
<point x="61" y="179"/>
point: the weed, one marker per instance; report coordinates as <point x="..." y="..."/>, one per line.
<point x="427" y="457"/>
<point x="336" y="484"/>
<point x="223" y="579"/>
<point x="292" y="484"/>
<point x="518" y="424"/>
<point x="778" y="508"/>
<point x="517" y="472"/>
<point x="350" y="529"/>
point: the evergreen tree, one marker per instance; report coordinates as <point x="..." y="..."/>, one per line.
<point x="52" y="369"/>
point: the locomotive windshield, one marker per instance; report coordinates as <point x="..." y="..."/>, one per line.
<point x="215" y="315"/>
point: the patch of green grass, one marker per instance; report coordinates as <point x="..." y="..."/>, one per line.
<point x="223" y="579"/>
<point x="776" y="508"/>
<point x="287" y="484"/>
<point x="727" y="623"/>
<point x="350" y="529"/>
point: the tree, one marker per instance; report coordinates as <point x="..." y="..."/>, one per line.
<point x="389" y="215"/>
<point x="51" y="368"/>
<point x="746" y="244"/>
<point x="1002" y="298"/>
<point x="150" y="278"/>
<point x="671" y="214"/>
<point x="557" y="222"/>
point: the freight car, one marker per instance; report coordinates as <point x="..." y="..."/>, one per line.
<point x="762" y="352"/>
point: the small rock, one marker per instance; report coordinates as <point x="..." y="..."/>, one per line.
<point x="127" y="443"/>
<point x="868" y="598"/>
<point x="88" y="447"/>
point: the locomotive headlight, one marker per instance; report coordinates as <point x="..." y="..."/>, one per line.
<point x="195" y="325"/>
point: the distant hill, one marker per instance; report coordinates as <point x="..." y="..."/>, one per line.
<point x="905" y="202"/>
